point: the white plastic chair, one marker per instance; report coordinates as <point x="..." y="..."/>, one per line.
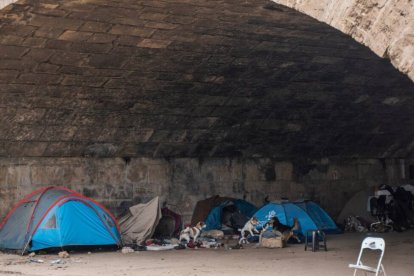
<point x="372" y="244"/>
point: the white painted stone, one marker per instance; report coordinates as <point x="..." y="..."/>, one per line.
<point x="4" y="3"/>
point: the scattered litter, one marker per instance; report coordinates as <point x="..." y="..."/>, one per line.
<point x="174" y="241"/>
<point x="237" y="246"/>
<point x="180" y="246"/>
<point x="57" y="261"/>
<point x="63" y="254"/>
<point x="31" y="255"/>
<point x="140" y="248"/>
<point x="126" y="250"/>
<point x="205" y="239"/>
<point x="356" y="224"/>
<point x="194" y="245"/>
<point x="40" y="261"/>
<point x="211" y="244"/>
<point x="76" y="260"/>
<point x="154" y="247"/>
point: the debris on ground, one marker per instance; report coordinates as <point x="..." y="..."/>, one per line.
<point x="180" y="246"/>
<point x="63" y="254"/>
<point x="237" y="246"/>
<point x="126" y="250"/>
<point x="174" y="241"/>
<point x="215" y="234"/>
<point x="57" y="261"/>
<point x="39" y="261"/>
<point x="31" y="255"/>
<point x="194" y="245"/>
<point x="155" y="247"/>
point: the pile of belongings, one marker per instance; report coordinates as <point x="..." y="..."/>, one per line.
<point x="356" y="224"/>
<point x="393" y="206"/>
<point x="390" y="208"/>
<point x="203" y="242"/>
<point x="147" y="226"/>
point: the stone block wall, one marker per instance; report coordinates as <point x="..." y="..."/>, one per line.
<point x="118" y="183"/>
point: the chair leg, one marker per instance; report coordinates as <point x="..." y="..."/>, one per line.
<point x="383" y="270"/>
<point x="306" y="241"/>
<point x="314" y="236"/>
<point x="324" y="240"/>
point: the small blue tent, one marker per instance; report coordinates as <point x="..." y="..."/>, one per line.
<point x="214" y="218"/>
<point x="319" y="216"/>
<point x="287" y="211"/>
<point x="57" y="217"/>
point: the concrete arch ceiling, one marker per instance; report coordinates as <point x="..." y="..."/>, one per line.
<point x="193" y="78"/>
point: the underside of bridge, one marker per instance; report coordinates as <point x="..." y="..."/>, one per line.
<point x="125" y="100"/>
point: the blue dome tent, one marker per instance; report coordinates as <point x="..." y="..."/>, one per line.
<point x="319" y="216"/>
<point x="216" y="209"/>
<point x="214" y="218"/>
<point x="287" y="211"/>
<point x="54" y="217"/>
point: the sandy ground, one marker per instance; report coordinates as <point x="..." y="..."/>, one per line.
<point x="252" y="261"/>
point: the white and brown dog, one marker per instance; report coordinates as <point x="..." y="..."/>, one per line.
<point x="248" y="229"/>
<point x="192" y="232"/>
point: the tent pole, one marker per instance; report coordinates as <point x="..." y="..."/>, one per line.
<point x="32" y="217"/>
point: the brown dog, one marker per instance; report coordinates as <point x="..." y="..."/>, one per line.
<point x="285" y="230"/>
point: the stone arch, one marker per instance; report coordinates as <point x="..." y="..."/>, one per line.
<point x="200" y="96"/>
<point x="385" y="26"/>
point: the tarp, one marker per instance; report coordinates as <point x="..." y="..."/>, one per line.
<point x="140" y="223"/>
<point x="287" y="211"/>
<point x="57" y="217"/>
<point x="357" y="206"/>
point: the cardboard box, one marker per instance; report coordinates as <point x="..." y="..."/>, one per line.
<point x="277" y="242"/>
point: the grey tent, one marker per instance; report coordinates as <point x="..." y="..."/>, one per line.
<point x="357" y="206"/>
<point x="140" y="222"/>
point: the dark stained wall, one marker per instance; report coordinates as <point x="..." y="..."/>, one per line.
<point x="181" y="182"/>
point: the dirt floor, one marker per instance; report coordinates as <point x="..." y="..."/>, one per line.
<point x="252" y="261"/>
